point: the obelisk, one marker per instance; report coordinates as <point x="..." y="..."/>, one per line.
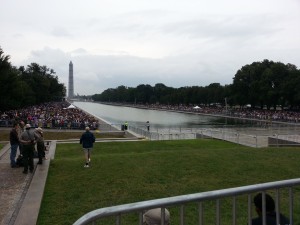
<point x="71" y="81"/>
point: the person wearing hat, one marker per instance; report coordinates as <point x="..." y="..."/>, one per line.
<point x="270" y="211"/>
<point x="28" y="140"/>
<point x="87" y="140"/>
<point x="153" y="217"/>
<point x="40" y="144"/>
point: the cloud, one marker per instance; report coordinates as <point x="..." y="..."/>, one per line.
<point x="95" y="73"/>
<point x="61" y="32"/>
<point x="181" y="43"/>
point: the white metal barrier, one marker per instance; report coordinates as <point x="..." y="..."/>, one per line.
<point x="256" y="138"/>
<point x="139" y="207"/>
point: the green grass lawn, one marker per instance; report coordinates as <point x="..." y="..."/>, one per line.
<point x="136" y="171"/>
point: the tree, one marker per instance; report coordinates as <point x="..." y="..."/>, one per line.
<point x="27" y="86"/>
<point x="267" y="84"/>
<point x="260" y="84"/>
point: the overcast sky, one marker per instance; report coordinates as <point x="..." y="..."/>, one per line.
<point x="131" y="42"/>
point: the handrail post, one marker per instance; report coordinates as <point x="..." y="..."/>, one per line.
<point x="234" y="210"/>
<point x="162" y="218"/>
<point x="264" y="214"/>
<point x="249" y="210"/>
<point x="118" y="220"/>
<point x="182" y="215"/>
<point x="218" y="212"/>
<point x="291" y="204"/>
<point x="141" y="218"/>
<point x="277" y="207"/>
<point x="200" y="208"/>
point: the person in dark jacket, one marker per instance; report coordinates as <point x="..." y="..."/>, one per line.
<point x="270" y="211"/>
<point x="14" y="144"/>
<point x="28" y="140"/>
<point x="87" y="140"/>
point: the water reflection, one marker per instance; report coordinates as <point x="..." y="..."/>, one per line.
<point x="159" y="119"/>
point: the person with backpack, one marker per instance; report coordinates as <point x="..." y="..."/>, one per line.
<point x="87" y="140"/>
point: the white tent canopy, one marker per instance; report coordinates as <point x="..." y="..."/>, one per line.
<point x="196" y="107"/>
<point x="71" y="107"/>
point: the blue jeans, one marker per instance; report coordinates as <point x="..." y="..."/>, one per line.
<point x="13" y="154"/>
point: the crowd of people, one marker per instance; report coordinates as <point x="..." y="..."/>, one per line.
<point x="245" y="112"/>
<point x="27" y="140"/>
<point x="54" y="115"/>
<point x="57" y="115"/>
<point x="49" y="115"/>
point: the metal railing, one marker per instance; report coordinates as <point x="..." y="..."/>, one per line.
<point x="200" y="198"/>
<point x="256" y="138"/>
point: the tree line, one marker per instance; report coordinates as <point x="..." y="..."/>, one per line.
<point x="261" y="84"/>
<point x="21" y="87"/>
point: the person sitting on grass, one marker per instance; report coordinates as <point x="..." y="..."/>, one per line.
<point x="270" y="212"/>
<point x="153" y="217"/>
<point x="87" y="140"/>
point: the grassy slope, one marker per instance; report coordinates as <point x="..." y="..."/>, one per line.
<point x="137" y="171"/>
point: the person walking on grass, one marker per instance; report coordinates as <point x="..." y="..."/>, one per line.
<point x="87" y="140"/>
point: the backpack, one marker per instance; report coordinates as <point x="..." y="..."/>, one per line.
<point x="19" y="161"/>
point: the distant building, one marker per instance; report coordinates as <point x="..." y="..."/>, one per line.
<point x="71" y="82"/>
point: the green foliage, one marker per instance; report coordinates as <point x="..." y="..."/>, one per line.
<point x="146" y="94"/>
<point x="129" y="172"/>
<point x="260" y="84"/>
<point x="27" y="86"/>
<point x="267" y="84"/>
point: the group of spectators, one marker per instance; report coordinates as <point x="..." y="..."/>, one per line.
<point x="53" y="115"/>
<point x="57" y="115"/>
<point x="246" y="112"/>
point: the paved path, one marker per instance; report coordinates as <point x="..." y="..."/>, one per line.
<point x="13" y="184"/>
<point x="21" y="194"/>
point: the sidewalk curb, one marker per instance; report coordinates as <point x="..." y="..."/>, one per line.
<point x="29" y="211"/>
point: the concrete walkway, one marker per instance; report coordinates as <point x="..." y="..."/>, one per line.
<point x="21" y="194"/>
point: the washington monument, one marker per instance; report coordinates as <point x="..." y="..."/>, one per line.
<point x="71" y="82"/>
